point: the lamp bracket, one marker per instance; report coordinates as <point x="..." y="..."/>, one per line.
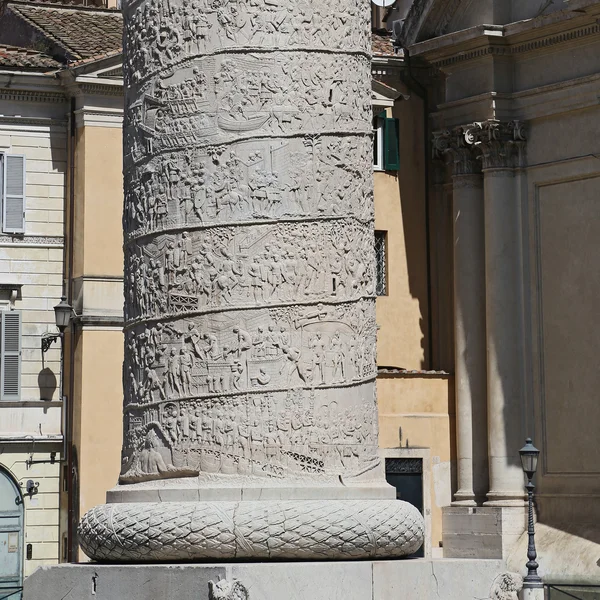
<point x="48" y="339"/>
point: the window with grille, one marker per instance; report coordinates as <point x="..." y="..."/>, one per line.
<point x="12" y="188"/>
<point x="381" y="263"/>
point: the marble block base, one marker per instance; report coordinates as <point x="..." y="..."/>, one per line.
<point x="411" y="579"/>
<point x="482" y="531"/>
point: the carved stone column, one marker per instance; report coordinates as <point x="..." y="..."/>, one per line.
<point x="469" y="317"/>
<point x="501" y="146"/>
<point x="250" y="416"/>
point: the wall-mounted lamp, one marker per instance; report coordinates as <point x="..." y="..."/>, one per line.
<point x="31" y="487"/>
<point x="63" y="312"/>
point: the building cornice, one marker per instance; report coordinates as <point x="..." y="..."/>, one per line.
<point x="32" y="121"/>
<point x="98" y="117"/>
<point x="17" y="95"/>
<point x="539" y="102"/>
<point x="489" y="43"/>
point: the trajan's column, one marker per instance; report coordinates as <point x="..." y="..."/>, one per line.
<point x="250" y="416"/>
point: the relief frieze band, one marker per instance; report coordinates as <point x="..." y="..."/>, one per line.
<point x="261" y="349"/>
<point x="216" y="100"/>
<point x="291" y="435"/>
<point x="159" y="37"/>
<point x="232" y="267"/>
<point x="308" y="177"/>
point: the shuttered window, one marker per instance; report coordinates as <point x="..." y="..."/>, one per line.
<point x="10" y="355"/>
<point x="391" y="157"/>
<point x="386" y="139"/>
<point x="13" y="193"/>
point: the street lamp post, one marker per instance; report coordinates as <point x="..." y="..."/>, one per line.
<point x="529" y="460"/>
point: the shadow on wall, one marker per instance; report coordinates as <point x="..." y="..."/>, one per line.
<point x="411" y="181"/>
<point x="47" y="383"/>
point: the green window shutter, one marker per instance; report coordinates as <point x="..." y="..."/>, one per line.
<point x="13" y="196"/>
<point x="10" y="355"/>
<point x="391" y="153"/>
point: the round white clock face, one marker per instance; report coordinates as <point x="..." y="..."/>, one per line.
<point x="383" y="3"/>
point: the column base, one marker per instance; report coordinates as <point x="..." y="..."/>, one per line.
<point x="505" y="499"/>
<point x="272" y="529"/>
<point x="481" y="532"/>
<point x="464" y="499"/>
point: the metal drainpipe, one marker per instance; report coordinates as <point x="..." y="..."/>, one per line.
<point x="415" y="86"/>
<point x="69" y="420"/>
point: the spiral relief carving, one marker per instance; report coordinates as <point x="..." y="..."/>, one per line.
<point x="250" y="328"/>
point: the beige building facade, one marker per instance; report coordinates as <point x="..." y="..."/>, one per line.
<point x="513" y="90"/>
<point x="486" y="187"/>
<point x="33" y="171"/>
<point x="60" y="159"/>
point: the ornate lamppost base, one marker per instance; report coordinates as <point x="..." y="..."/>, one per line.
<point x="289" y="529"/>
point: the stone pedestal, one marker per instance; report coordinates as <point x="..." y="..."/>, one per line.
<point x="366" y="580"/>
<point x="481" y="532"/>
<point x="250" y="415"/>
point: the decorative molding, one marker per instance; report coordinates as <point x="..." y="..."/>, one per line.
<point x="101" y="89"/>
<point x="32" y="240"/>
<point x="13" y="95"/>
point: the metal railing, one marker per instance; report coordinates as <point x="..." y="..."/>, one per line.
<point x="570" y="592"/>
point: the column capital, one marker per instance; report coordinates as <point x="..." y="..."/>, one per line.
<point x="499" y="144"/>
<point x="453" y="146"/>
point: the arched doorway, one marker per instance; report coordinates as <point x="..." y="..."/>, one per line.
<point x="11" y="538"/>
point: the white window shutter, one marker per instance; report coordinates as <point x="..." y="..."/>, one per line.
<point x="13" y="210"/>
<point x="10" y="355"/>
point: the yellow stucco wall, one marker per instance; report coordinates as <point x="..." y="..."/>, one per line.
<point x="415" y="411"/>
<point x="98" y="266"/>
<point x="103" y="198"/>
<point x="418" y="411"/>
<point x="100" y="421"/>
<point x="400" y="210"/>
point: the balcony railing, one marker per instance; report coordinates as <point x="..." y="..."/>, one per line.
<point x="570" y="592"/>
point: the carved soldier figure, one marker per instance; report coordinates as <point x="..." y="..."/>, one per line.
<point x="183" y="425"/>
<point x="186" y="363"/>
<point x="173" y="371"/>
<point x="258" y="343"/>
<point x="154" y="382"/>
<point x="244" y="342"/>
<point x="170" y="424"/>
<point x="339" y="356"/>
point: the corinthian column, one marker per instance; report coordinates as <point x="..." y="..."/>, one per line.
<point x="469" y="316"/>
<point x="250" y="416"/>
<point x="501" y="147"/>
